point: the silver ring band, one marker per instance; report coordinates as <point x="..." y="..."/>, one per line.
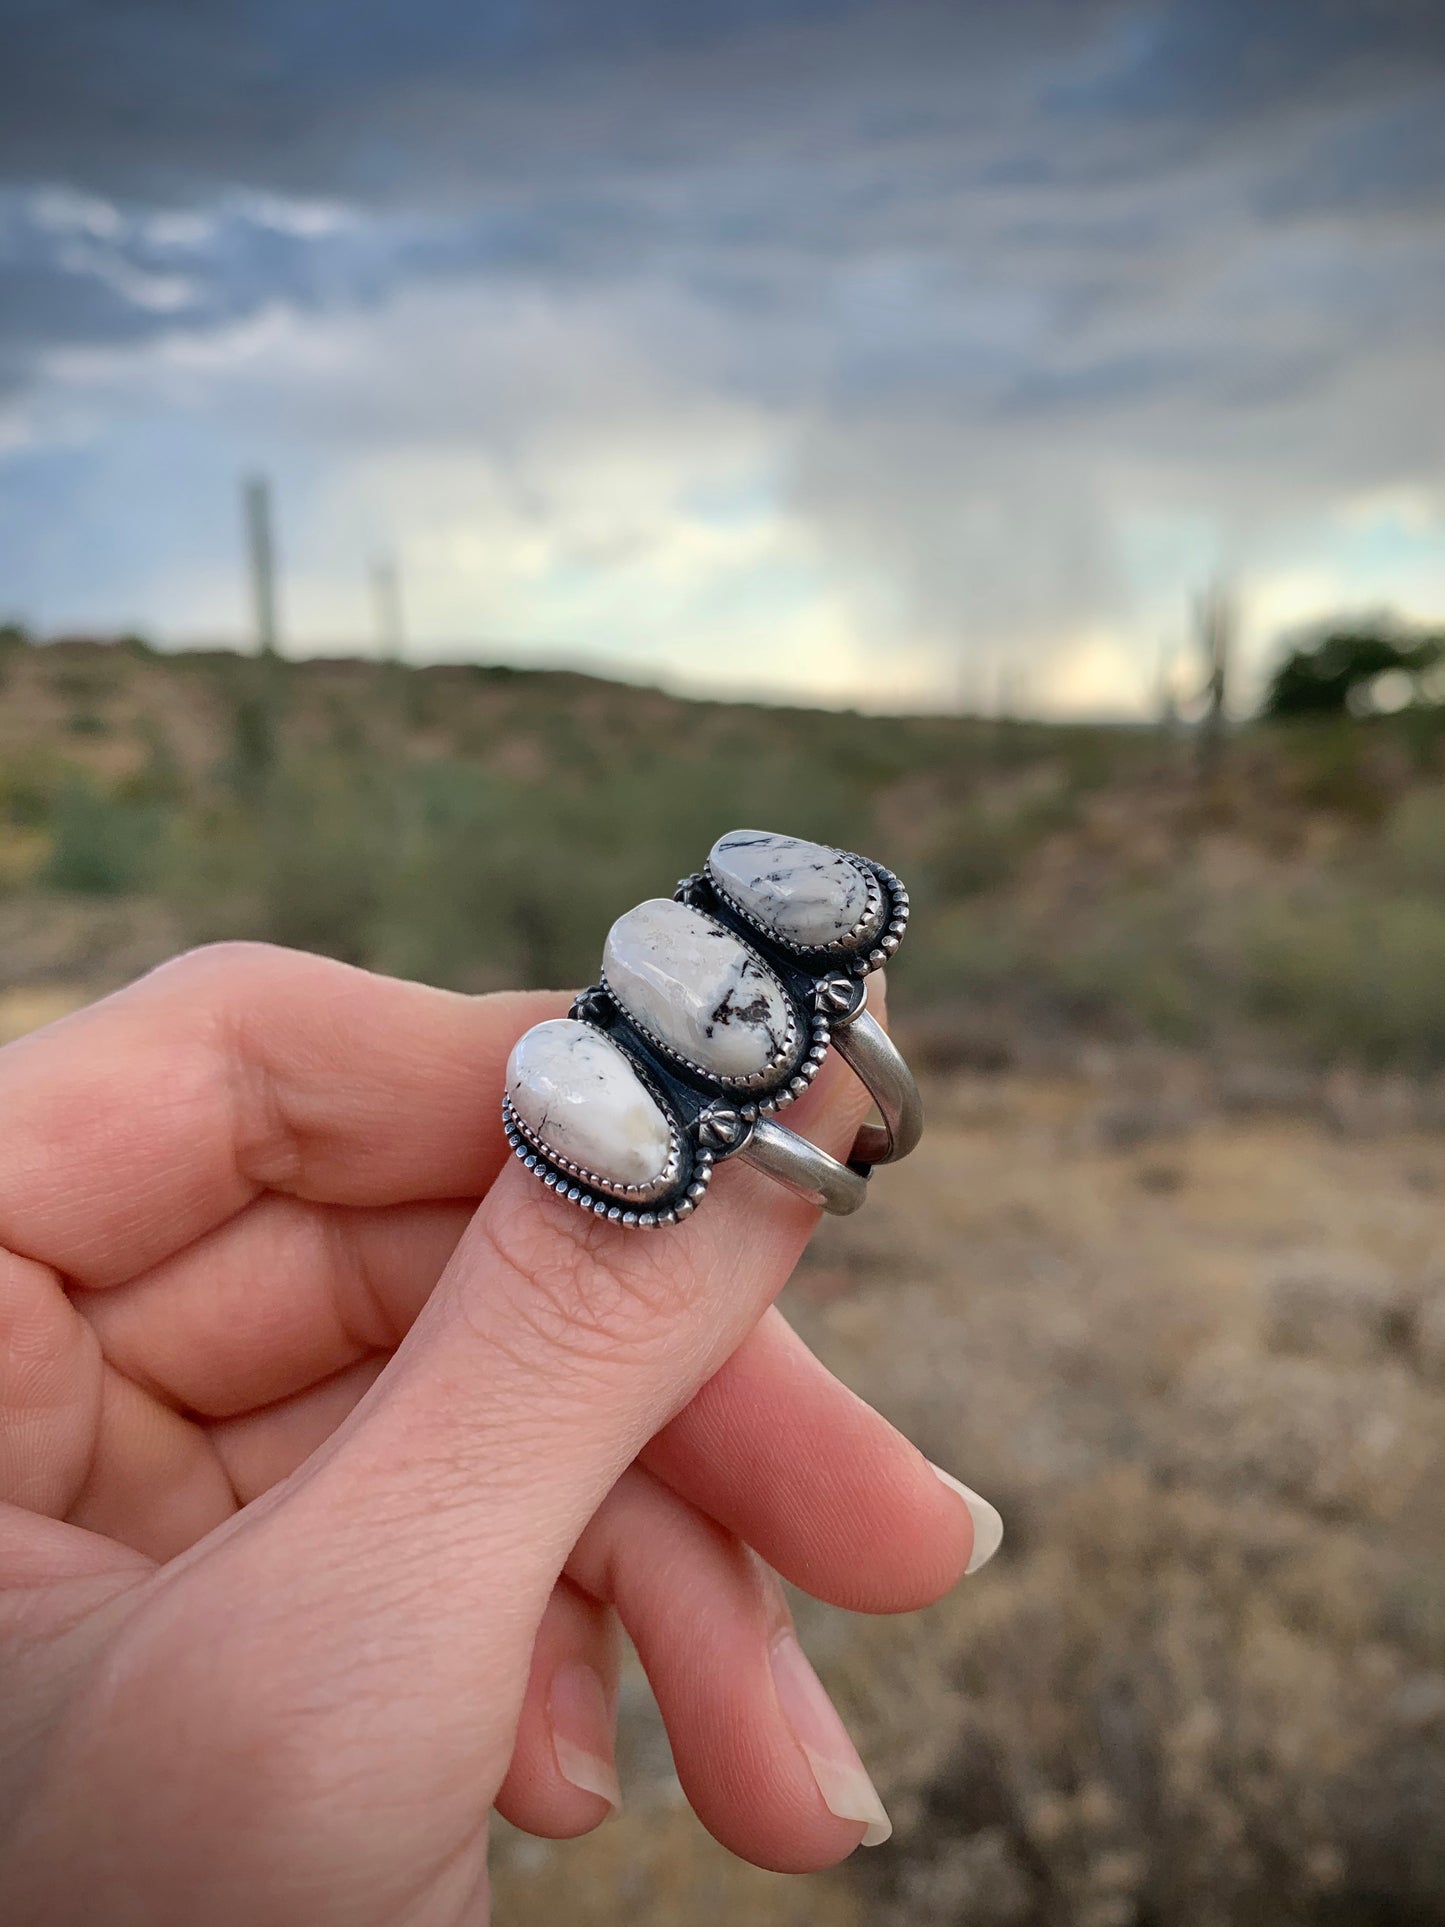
<point x="802" y="1166"/>
<point x="874" y="1059"/>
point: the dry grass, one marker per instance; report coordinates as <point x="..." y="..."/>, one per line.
<point x="1074" y="883"/>
<point x="1168" y="1283"/>
<point x="1204" y="1682"/>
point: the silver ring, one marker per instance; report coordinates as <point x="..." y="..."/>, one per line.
<point x="874" y="1059"/>
<point x="715" y="1010"/>
<point x="800" y="1165"/>
<point x="871" y="1054"/>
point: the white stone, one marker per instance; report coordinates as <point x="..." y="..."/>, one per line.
<point x="688" y="981"/>
<point x="805" y="892"/>
<point x="576" y="1090"/>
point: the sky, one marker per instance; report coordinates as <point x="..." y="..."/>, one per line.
<point x="891" y="354"/>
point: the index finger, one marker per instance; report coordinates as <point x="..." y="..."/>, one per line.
<point x="142" y="1122"/>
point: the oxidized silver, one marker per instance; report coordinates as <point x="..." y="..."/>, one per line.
<point x="710" y="1116"/>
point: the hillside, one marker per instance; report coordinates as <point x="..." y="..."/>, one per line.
<point x="1166" y="1278"/>
<point x="479" y="826"/>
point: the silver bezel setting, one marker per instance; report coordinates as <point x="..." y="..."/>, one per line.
<point x="782" y="1065"/>
<point x="881" y="927"/>
<point x="641" y="1193"/>
<point x="631" y="1205"/>
<point x="867" y="926"/>
<point x="712" y="1117"/>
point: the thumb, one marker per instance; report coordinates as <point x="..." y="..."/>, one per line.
<point x="439" y="1518"/>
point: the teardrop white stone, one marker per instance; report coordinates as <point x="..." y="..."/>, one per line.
<point x="688" y="981"/>
<point x="576" y="1090"/>
<point x="803" y="891"/>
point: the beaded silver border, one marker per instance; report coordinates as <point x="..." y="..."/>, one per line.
<point x="869" y="924"/>
<point x="724" y="1126"/>
<point x="895" y="922"/>
<point x="809" y="1063"/>
<point x="888" y="927"/>
<point x="644" y="1193"/>
<point x="784" y="1063"/>
<point x="626" y="1205"/>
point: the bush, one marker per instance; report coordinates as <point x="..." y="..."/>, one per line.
<point x="983" y="844"/>
<point x="1415" y="844"/>
<point x="29" y="784"/>
<point x="1345" y="767"/>
<point x="102" y="846"/>
<point x="1327" y="679"/>
<point x="1352" y="975"/>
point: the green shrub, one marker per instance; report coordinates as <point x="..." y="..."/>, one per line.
<point x="1341" y="765"/>
<point x="1140" y="960"/>
<point x="84" y="682"/>
<point x="160" y="778"/>
<point x="29" y="784"/>
<point x="983" y="844"/>
<point x="1352" y="975"/>
<point x="13" y="639"/>
<point x="102" y="845"/>
<point x="969" y="957"/>
<point x="1415" y="843"/>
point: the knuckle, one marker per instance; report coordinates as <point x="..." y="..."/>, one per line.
<point x="33" y="1326"/>
<point x="50" y="1386"/>
<point x="213" y="967"/>
<point x="586" y="1288"/>
<point x="225" y="978"/>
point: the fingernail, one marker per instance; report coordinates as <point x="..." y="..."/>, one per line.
<point x="582" y="1731"/>
<point x="841" y="1776"/>
<point x="987" y="1524"/>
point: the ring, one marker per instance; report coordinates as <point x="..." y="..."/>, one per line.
<point x="715" y="1010"/>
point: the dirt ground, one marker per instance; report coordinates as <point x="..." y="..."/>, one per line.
<point x="1199" y="1363"/>
<point x="1198" y="1360"/>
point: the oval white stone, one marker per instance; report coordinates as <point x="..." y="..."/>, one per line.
<point x="804" y="892"/>
<point x="577" y="1091"/>
<point x="689" y="982"/>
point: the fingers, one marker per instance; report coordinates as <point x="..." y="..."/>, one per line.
<point x="259" y="1449"/>
<point x="282" y="1295"/>
<point x="154" y="1482"/>
<point x="80" y="1441"/>
<point x="141" y="1123"/>
<point x="563" y="1776"/>
<point x="38" y="1554"/>
<point x="762" y="1756"/>
<point x="557" y="1343"/>
<point x="437" y="1520"/>
<point x="773" y="1447"/>
<point x="288" y="1295"/>
<point x="50" y="1380"/>
<point x="825" y="1489"/>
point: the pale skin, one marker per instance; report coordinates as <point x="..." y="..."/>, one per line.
<point x="332" y="1448"/>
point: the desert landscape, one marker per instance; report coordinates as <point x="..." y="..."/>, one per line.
<point x="1166" y="1279"/>
<point x="1202" y="1373"/>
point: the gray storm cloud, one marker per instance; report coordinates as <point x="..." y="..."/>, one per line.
<point x="993" y="288"/>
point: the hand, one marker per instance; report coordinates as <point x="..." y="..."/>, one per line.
<point x="330" y="1442"/>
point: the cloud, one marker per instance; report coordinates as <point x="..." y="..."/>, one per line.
<point x="862" y="336"/>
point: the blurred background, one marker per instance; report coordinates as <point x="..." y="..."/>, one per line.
<point x="455" y="463"/>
